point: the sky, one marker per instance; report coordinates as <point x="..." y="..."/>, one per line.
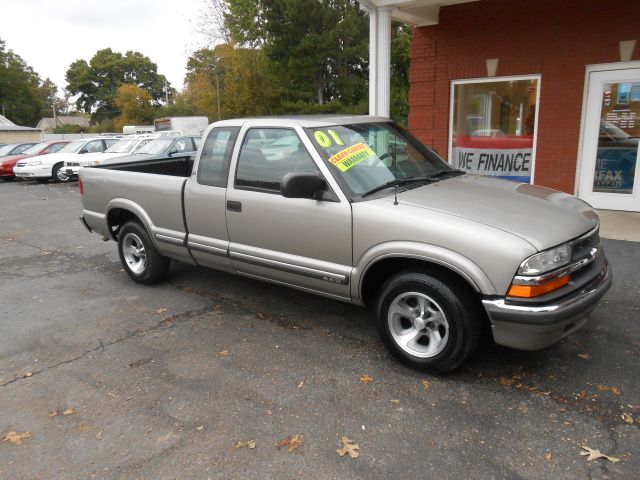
<point x="51" y="34"/>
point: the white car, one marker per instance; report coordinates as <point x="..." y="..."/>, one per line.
<point x="124" y="146"/>
<point x="52" y="166"/>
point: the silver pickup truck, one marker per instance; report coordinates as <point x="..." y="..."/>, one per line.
<point x="356" y="209"/>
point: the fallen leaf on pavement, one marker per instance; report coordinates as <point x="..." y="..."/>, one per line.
<point x="348" y="447"/>
<point x="548" y="457"/>
<point x="99" y="435"/>
<point x="16" y="438"/>
<point x="580" y="395"/>
<point x="161" y="310"/>
<point x="594" y="454"/>
<point x="292" y="443"/>
<point x="301" y="384"/>
<point x="366" y="379"/>
<point x="425" y="385"/>
<point x="68" y="411"/>
<point x="604" y="388"/>
<point x="395" y="401"/>
<point x="259" y="315"/>
<point x="27" y="375"/>
<point x="53" y="413"/>
<point x="224" y="353"/>
<point x="584" y="356"/>
<point x="248" y="444"/>
<point x="627" y="418"/>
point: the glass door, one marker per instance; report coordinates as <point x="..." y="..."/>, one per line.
<point x="609" y="177"/>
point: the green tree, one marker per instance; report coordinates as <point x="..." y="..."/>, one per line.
<point x="317" y="50"/>
<point x="96" y="83"/>
<point x="134" y="104"/>
<point x="21" y="89"/>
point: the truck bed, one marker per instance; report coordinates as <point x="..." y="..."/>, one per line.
<point x="172" y="166"/>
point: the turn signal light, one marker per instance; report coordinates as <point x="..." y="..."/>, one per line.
<point x="80" y="186"/>
<point x="531" y="291"/>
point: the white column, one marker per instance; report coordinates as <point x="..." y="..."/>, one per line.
<point x="373" y="59"/>
<point x="383" y="62"/>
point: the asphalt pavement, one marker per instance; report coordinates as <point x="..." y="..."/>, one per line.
<point x="104" y="378"/>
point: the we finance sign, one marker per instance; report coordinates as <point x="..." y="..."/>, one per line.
<point x="510" y="158"/>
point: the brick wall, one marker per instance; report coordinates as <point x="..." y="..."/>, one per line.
<point x="555" y="38"/>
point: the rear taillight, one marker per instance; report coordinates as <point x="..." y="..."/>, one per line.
<point x="80" y="186"/>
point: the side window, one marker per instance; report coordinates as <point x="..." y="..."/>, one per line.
<point x="92" y="147"/>
<point x="181" y="145"/>
<point x="196" y="142"/>
<point x="54" y="148"/>
<point x="213" y="167"/>
<point x="267" y="155"/>
<point x="109" y="142"/>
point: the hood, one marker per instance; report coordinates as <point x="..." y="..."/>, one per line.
<point x="541" y="216"/>
<point x="12" y="158"/>
<point x="134" y="157"/>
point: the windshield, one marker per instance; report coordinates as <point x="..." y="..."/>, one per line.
<point x="6" y="149"/>
<point x="35" y="149"/>
<point x="122" y="146"/>
<point x="361" y="156"/>
<point x="72" y="147"/>
<point x="156" y="146"/>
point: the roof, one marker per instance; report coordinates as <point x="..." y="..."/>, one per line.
<point x="414" y="12"/>
<point x="7" y="125"/>
<point x="49" y="123"/>
<point x="306" y="120"/>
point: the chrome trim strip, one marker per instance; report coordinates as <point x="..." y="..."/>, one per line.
<point x="287" y="267"/>
<point x="548" y="277"/>
<point x="297" y="287"/>
<point x="199" y="247"/>
<point x="170" y="240"/>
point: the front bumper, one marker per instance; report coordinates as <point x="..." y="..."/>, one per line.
<point x="37" y="171"/>
<point x="535" y="327"/>
<point x="71" y="170"/>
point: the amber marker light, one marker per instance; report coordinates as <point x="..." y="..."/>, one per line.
<point x="531" y="291"/>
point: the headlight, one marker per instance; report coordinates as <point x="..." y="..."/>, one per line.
<point x="34" y="163"/>
<point x="91" y="163"/>
<point x="546" y="261"/>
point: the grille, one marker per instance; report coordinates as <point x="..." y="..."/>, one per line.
<point x="582" y="246"/>
<point x="73" y="164"/>
<point x="21" y="164"/>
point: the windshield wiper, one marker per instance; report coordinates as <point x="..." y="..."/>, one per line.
<point x="398" y="182"/>
<point x="445" y="174"/>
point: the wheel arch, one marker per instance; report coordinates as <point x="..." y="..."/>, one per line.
<point x="120" y="211"/>
<point x="383" y="261"/>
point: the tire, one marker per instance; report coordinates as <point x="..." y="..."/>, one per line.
<point x="58" y="175"/>
<point x="139" y="257"/>
<point x="428" y="323"/>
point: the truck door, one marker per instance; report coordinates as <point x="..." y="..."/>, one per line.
<point x="295" y="241"/>
<point x="204" y="200"/>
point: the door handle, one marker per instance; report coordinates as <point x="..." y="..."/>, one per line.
<point x="234" y="206"/>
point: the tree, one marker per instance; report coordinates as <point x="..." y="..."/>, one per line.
<point x="96" y="83"/>
<point x="134" y="104"/>
<point x="317" y="50"/>
<point x="21" y="90"/>
<point x="228" y="82"/>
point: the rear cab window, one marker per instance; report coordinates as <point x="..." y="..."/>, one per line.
<point x="213" y="168"/>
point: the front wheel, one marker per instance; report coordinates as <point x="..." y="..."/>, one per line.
<point x="59" y="175"/>
<point x="139" y="257"/>
<point x="427" y="323"/>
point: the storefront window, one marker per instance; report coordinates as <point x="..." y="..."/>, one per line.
<point x="618" y="140"/>
<point x="493" y="125"/>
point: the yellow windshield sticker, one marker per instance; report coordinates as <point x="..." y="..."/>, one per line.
<point x="351" y="156"/>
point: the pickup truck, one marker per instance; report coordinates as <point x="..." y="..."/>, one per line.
<point x="362" y="212"/>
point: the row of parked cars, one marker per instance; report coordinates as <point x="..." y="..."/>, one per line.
<point x="60" y="160"/>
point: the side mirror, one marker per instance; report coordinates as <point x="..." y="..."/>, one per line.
<point x="302" y="185"/>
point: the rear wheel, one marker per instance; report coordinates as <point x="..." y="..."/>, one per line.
<point x="139" y="257"/>
<point x="427" y="323"/>
<point x="59" y="175"/>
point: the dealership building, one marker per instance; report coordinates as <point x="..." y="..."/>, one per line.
<point x="540" y="91"/>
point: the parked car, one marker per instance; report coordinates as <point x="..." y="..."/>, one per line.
<point x="51" y="166"/>
<point x="439" y="255"/>
<point x="15" y="148"/>
<point x="42" y="148"/>
<point x="162" y="147"/>
<point x="121" y="148"/>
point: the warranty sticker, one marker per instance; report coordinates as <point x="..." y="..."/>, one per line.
<point x="351" y="156"/>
